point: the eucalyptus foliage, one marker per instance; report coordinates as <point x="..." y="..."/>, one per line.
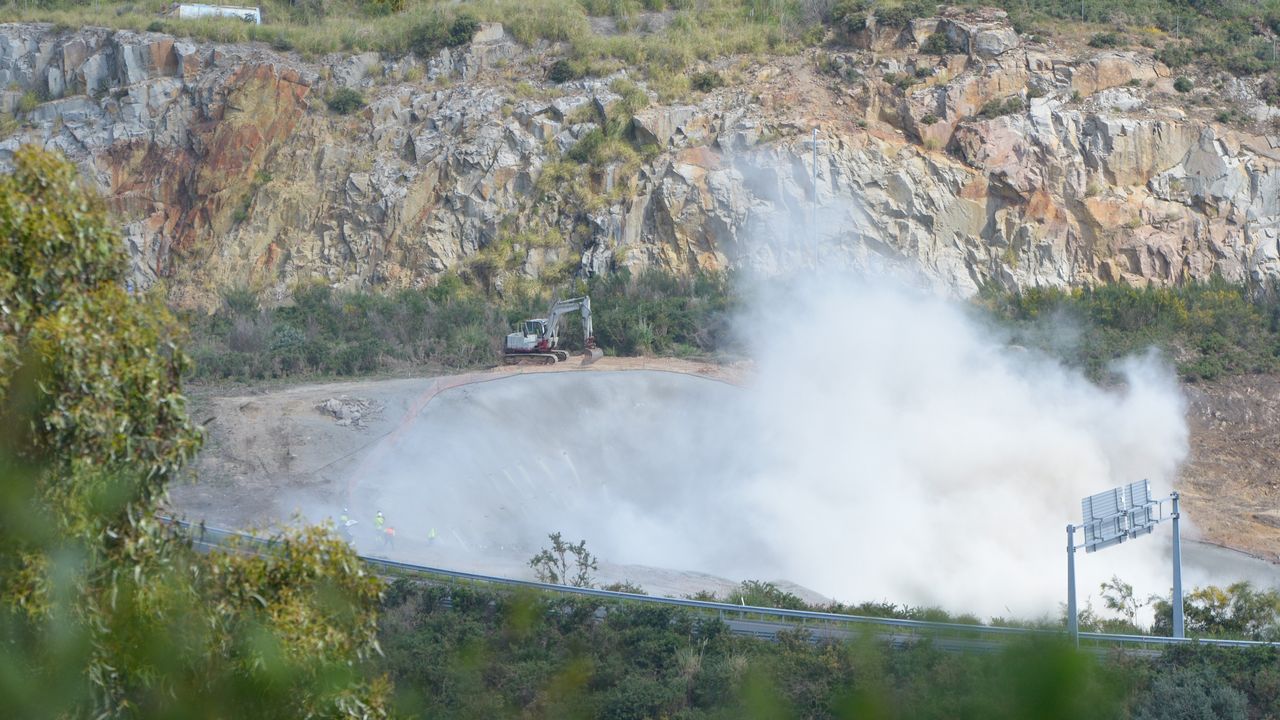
<point x="106" y="609"/>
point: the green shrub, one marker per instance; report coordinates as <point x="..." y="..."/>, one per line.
<point x="706" y="81"/>
<point x="849" y="16"/>
<point x="929" y="119"/>
<point x="475" y="651"/>
<point x="562" y="71"/>
<point x="384" y="7"/>
<point x="940" y="44"/>
<point x="1106" y="40"/>
<point x="901" y="81"/>
<point x="996" y="108"/>
<point x="901" y="15"/>
<point x="28" y="102"/>
<point x="345" y="101"/>
<point x="1269" y="90"/>
<point x="765" y="594"/>
<point x="584" y="151"/>
<point x="464" y="28"/>
<point x="1175" y="56"/>
<point x="1245" y="65"/>
<point x="306" y="12"/>
<point x="1212" y="329"/>
<point x="1192" y="694"/>
<point x="436" y="33"/>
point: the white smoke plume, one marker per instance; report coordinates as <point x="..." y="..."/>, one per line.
<point x="909" y="455"/>
<point x="887" y="446"/>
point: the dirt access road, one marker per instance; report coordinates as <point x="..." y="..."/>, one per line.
<point x="300" y="450"/>
<point x="261" y="443"/>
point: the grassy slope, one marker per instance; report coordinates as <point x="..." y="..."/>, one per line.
<point x="1234" y="35"/>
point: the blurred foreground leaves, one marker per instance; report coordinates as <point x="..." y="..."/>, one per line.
<point x="457" y="651"/>
<point x="106" y="610"/>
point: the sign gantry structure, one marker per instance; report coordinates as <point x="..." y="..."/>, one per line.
<point x="1112" y="517"/>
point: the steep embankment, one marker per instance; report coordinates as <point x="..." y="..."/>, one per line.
<point x="229" y="168"/>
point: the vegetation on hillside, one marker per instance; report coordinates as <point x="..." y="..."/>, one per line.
<point x="449" y="326"/>
<point x="1208" y="330"/>
<point x="105" y="609"/>
<point x="458" y="651"/>
<point x="661" y="38"/>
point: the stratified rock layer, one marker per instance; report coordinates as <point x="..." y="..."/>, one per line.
<point x="227" y="167"/>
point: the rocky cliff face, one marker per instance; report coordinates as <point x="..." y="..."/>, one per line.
<point x="229" y="169"/>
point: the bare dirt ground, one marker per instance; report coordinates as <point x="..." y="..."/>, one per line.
<point x="266" y="447"/>
<point x="269" y="448"/>
<point x="261" y="441"/>
<point x="1231" y="483"/>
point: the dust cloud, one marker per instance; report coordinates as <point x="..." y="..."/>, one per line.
<point x="887" y="446"/>
<point x="910" y="455"/>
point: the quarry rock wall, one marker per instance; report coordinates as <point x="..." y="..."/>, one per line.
<point x="1006" y="163"/>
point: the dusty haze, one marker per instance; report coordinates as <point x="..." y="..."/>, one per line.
<point x="886" y="448"/>
<point x="908" y="455"/>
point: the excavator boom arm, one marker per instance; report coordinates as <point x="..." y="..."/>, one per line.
<point x="560" y="308"/>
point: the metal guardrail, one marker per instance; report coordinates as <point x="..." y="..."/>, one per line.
<point x="978" y="634"/>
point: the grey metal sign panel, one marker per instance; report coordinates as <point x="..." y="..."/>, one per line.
<point x="1138" y="493"/>
<point x="1111" y="517"/>
<point x="1104" y="521"/>
<point x="1102" y="505"/>
<point x="1104" y="533"/>
<point x="1142" y="509"/>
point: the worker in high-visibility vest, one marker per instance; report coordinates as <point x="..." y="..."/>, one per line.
<point x="344" y="526"/>
<point x="379" y="521"/>
<point x="389" y="537"/>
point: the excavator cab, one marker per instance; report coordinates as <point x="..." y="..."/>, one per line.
<point x="530" y="337"/>
<point x="535" y="328"/>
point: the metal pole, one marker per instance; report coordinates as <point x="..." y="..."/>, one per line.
<point x="1178" y="625"/>
<point x="1073" y="620"/>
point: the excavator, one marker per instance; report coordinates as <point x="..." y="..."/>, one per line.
<point x="537" y="341"/>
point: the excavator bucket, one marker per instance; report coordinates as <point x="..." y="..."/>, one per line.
<point x="591" y="355"/>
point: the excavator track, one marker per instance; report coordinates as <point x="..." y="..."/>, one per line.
<point x="550" y="358"/>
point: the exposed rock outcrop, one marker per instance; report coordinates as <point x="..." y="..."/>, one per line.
<point x="1010" y="162"/>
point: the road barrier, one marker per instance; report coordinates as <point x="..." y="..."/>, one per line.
<point x="766" y="622"/>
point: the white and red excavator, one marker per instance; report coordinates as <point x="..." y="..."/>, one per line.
<point x="537" y="341"/>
